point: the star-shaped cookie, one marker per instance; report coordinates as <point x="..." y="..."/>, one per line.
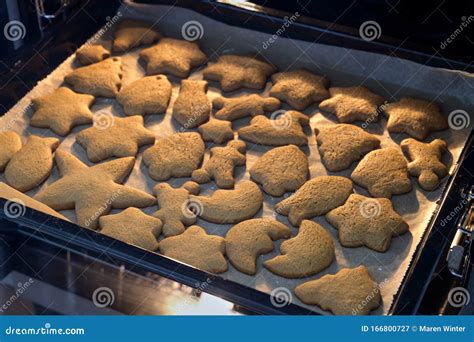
<point x="365" y="221"/>
<point x="62" y="110"/>
<point x="133" y="33"/>
<point x="414" y="117"/>
<point x="134" y="227"/>
<point x="234" y="72"/>
<point x="121" y="139"/>
<point x="92" y="191"/>
<point x="299" y="88"/>
<point x="173" y="56"/>
<point x="196" y="248"/>
<point x="353" y="104"/>
<point x="217" y="131"/>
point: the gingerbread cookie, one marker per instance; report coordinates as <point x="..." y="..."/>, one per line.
<point x="121" y="139"/>
<point x="282" y="129"/>
<point x="32" y="164"/>
<point x="304" y="255"/>
<point x="217" y="131"/>
<point x="98" y="79"/>
<point x="365" y="221"/>
<point x="62" y="110"/>
<point x="147" y="95"/>
<point x="348" y="292"/>
<point x="383" y="173"/>
<point x="192" y="107"/>
<point x="133" y="33"/>
<point x="234" y="72"/>
<point x="239" y="107"/>
<point x="316" y="197"/>
<point x="299" y="88"/>
<point x="90" y="54"/>
<point x="172" y="56"/>
<point x="246" y="241"/>
<point x="341" y="145"/>
<point x="178" y="155"/>
<point x="221" y="165"/>
<point x="134" y="227"/>
<point x="353" y="104"/>
<point x="92" y="191"/>
<point x="425" y="161"/>
<point x="176" y="209"/>
<point x="280" y="170"/>
<point x="11" y="144"/>
<point x="230" y="206"/>
<point x="414" y="117"/>
<point x="196" y="248"/>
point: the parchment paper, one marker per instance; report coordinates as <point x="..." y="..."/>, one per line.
<point x="388" y="76"/>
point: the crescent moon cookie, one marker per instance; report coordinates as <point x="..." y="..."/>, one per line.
<point x="92" y="191"/>
<point x="133" y="33"/>
<point x="414" y="117"/>
<point x="11" y="144"/>
<point x="234" y="108"/>
<point x="62" y="110"/>
<point x="246" y="241"/>
<point x="121" y="139"/>
<point x="426" y="161"/>
<point x="299" y="88"/>
<point x="147" y="95"/>
<point x="383" y="173"/>
<point x="284" y="129"/>
<point x="230" y="206"/>
<point x="173" y="56"/>
<point x="178" y="155"/>
<point x="316" y="197"/>
<point x="281" y="169"/>
<point x="304" y="255"/>
<point x="99" y="79"/>
<point x="341" y="145"/>
<point x="90" y="54"/>
<point x="217" y="131"/>
<point x="351" y="291"/>
<point x="192" y="107"/>
<point x="196" y="248"/>
<point x="234" y="72"/>
<point x="365" y="221"/>
<point x="32" y="164"/>
<point x="353" y="104"/>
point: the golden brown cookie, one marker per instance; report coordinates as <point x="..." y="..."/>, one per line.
<point x="414" y="117"/>
<point x="10" y="143"/>
<point x="99" y="79"/>
<point x="341" y="145"/>
<point x="62" y="110"/>
<point x="192" y="107"/>
<point x="383" y="173"/>
<point x="304" y="255"/>
<point x="221" y="165"/>
<point x="282" y="129"/>
<point x="32" y="164"/>
<point x="121" y="139"/>
<point x="234" y="72"/>
<point x="178" y="155"/>
<point x="230" y="206"/>
<point x="90" y="54"/>
<point x="280" y="170"/>
<point x="134" y="227"/>
<point x="196" y="248"/>
<point x="353" y="104"/>
<point x="147" y="95"/>
<point x="92" y="191"/>
<point x="239" y="107"/>
<point x="299" y="88"/>
<point x="172" y="56"/>
<point x="217" y="131"/>
<point x="316" y="197"/>
<point x="348" y="292"/>
<point x="246" y="241"/>
<point x="425" y="161"/>
<point x="365" y="221"/>
<point x="133" y="33"/>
